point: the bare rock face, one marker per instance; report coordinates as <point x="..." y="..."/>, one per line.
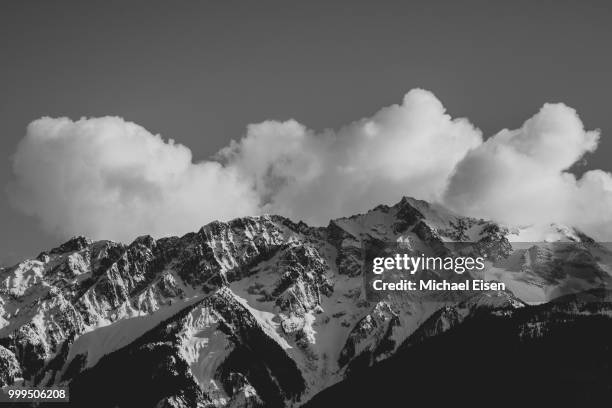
<point x="371" y="337"/>
<point x="9" y="367"/>
<point x="257" y="311"/>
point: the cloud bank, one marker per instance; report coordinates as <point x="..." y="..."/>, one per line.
<point x="109" y="178"/>
<point x="112" y="179"/>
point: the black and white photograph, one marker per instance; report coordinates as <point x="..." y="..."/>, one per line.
<point x="283" y="204"/>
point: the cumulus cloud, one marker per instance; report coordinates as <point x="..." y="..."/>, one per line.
<point x="109" y="178"/>
<point x="410" y="148"/>
<point x="520" y="176"/>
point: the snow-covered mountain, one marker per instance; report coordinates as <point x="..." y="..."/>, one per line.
<point x="258" y="311"/>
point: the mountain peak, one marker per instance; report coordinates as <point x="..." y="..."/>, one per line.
<point x="75" y="243"/>
<point x="408" y="200"/>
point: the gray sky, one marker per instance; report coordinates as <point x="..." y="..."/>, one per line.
<point x="173" y="66"/>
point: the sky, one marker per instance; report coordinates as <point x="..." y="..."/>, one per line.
<point x="200" y="72"/>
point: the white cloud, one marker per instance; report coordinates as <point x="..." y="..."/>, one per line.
<point x="402" y="149"/>
<point x="108" y="178"/>
<point x="520" y="176"/>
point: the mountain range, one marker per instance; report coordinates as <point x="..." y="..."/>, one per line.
<point x="264" y="311"/>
